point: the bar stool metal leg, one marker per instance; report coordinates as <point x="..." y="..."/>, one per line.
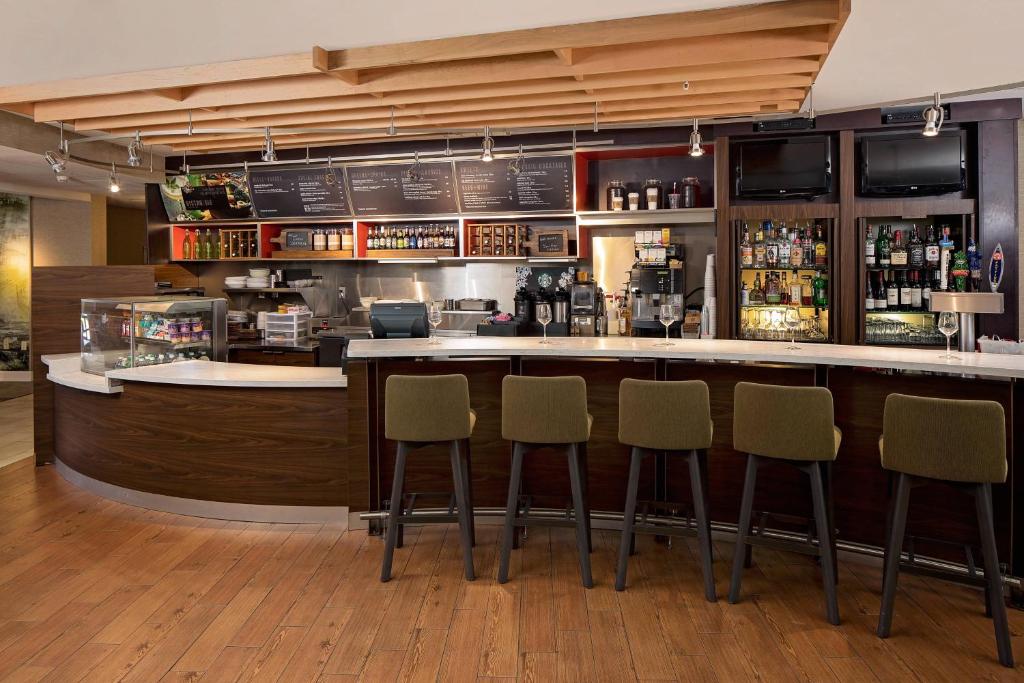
<point x="628" y="517"/>
<point x="893" y="548"/>
<point x="396" y="509"/>
<point x="698" y="471"/>
<point x="983" y="504"/>
<point x="465" y="512"/>
<point x="582" y="514"/>
<point x="467" y="468"/>
<point x="743" y="528"/>
<point x="581" y="453"/>
<point x="511" y="506"/>
<point x="821" y="518"/>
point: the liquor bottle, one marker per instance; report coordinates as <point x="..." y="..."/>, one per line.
<point x="744" y="295"/>
<point x="746" y="249"/>
<point x="869" y="250"/>
<point x="772" y="295"/>
<point x="916" y="294"/>
<point x="945" y="257"/>
<point x="414" y="242"/>
<point x="820" y="247"/>
<point x="931" y="249"/>
<point x="892" y="292"/>
<point x="760" y="251"/>
<point x="784" y="290"/>
<point x="905" y="297"/>
<point x="915" y="250"/>
<point x="796" y="294"/>
<point x="217" y="247"/>
<point x="869" y="293"/>
<point x="974" y="265"/>
<point x="898" y="254"/>
<point x="757" y="297"/>
<point x="883" y="249"/>
<point x="808" y="248"/>
<point x="771" y="246"/>
<point x="881" y="294"/>
<point x="196" y="253"/>
<point x="785" y="248"/>
<point x="186" y="246"/>
<point x="796" y="251"/>
<point x="820" y="285"/>
<point x="926" y="292"/>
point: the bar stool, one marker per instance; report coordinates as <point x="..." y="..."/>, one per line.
<point x="762" y="421"/>
<point x="427" y="410"/>
<point x="962" y="443"/>
<point x="674" y="417"/>
<point x="539" y="413"/>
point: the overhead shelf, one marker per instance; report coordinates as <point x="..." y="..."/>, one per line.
<point x="644" y="217"/>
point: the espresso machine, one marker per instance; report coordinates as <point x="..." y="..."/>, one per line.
<point x="585" y="303"/>
<point x="652" y="287"/>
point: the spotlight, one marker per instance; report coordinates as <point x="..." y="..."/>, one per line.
<point x="115" y="186"/>
<point x="58" y="159"/>
<point x="515" y="167"/>
<point x="934" y="116"/>
<point x="135" y="151"/>
<point x="696" y="150"/>
<point x="415" y="172"/>
<point x="487" y="153"/>
<point x="268" y="154"/>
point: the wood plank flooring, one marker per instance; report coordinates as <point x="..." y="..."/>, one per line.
<point x="15" y="425"/>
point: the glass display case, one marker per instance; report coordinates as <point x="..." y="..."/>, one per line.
<point x="784" y="267"/>
<point x="138" y="331"/>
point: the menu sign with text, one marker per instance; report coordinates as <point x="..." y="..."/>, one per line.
<point x="299" y="193"/>
<point x="543" y="183"/>
<point x="206" y="196"/>
<point x="402" y="189"/>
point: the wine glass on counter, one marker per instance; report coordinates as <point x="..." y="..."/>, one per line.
<point x="948" y="326"/>
<point x="793" y="321"/>
<point x="667" y="316"/>
<point x="544" y="317"/>
<point x="434" y="318"/>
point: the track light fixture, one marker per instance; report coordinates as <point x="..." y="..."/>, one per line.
<point x="934" y="116"/>
<point x="330" y="177"/>
<point x="515" y="166"/>
<point x="696" y="149"/>
<point x="414" y="173"/>
<point x="487" y="152"/>
<point x="810" y="102"/>
<point x="135" y="151"/>
<point x="268" y="154"/>
<point x="58" y="159"/>
<point x="115" y="185"/>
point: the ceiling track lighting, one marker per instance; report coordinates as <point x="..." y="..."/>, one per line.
<point x="268" y="154"/>
<point x="597" y="128"/>
<point x="330" y="176"/>
<point x="392" y="130"/>
<point x="696" y="143"/>
<point x="415" y="172"/>
<point x="515" y="166"/>
<point x="115" y="185"/>
<point x="135" y="150"/>
<point x="447" y="145"/>
<point x="58" y="159"/>
<point x="934" y="117"/>
<point x="810" y="102"/>
<point x="487" y="150"/>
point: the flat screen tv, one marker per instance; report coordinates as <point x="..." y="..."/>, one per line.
<point x="909" y="166"/>
<point x="784" y="168"/>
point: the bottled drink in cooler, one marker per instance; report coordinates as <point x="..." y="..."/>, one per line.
<point x="882" y="248"/>
<point x="746" y="249"/>
<point x="898" y="254"/>
<point x="869" y="249"/>
<point x="915" y="250"/>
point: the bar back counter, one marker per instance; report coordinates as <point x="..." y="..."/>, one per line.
<point x="942" y="522"/>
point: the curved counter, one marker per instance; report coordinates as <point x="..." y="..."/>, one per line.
<point x="232" y="441"/>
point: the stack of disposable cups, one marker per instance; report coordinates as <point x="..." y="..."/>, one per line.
<point x="709" y="328"/>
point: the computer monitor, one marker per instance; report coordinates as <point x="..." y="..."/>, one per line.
<point x="398" y="320"/>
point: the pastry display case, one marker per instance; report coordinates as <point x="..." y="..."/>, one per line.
<point x="138" y="331"/>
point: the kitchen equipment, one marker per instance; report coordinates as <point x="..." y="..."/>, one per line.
<point x="967" y="304"/>
<point x="476" y="305"/>
<point x="560" y="307"/>
<point x="292" y="327"/>
<point x="615" y="196"/>
<point x="652" y="287"/>
<point x="398" y="319"/>
<point x="584" y="301"/>
<point x="367" y="301"/>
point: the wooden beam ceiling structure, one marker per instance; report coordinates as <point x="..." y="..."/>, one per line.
<point x="733" y="61"/>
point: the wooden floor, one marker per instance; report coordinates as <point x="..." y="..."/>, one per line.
<point x="98" y="591"/>
<point x="15" y="427"/>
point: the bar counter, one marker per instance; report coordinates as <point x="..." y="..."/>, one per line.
<point x="942" y="521"/>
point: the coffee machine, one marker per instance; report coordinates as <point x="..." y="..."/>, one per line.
<point x="652" y="287"/>
<point x="585" y="303"/>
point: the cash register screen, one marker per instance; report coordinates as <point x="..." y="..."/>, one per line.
<point x="398" y="320"/>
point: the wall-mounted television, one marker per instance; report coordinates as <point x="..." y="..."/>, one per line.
<point x="909" y="166"/>
<point x="783" y="168"/>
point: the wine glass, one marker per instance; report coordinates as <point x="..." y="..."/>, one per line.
<point x="948" y="326"/>
<point x="667" y="317"/>
<point x="544" y="317"/>
<point x="434" y="318"/>
<point x="792" y="320"/>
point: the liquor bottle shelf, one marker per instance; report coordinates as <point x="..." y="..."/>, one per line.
<point x="782" y="307"/>
<point x="815" y="268"/>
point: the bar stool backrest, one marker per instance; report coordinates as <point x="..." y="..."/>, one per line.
<point x="946" y="439"/>
<point x="665" y="416"/>
<point x="426" y="408"/>
<point x="792" y="423"/>
<point x="546" y="410"/>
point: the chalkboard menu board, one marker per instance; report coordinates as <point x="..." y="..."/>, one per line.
<point x="298" y="192"/>
<point x="544" y="183"/>
<point x="402" y="189"/>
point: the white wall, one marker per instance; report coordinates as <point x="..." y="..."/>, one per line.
<point x="61" y="233"/>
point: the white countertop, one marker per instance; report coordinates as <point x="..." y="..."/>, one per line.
<point x="66" y="369"/>
<point x="928" y="360"/>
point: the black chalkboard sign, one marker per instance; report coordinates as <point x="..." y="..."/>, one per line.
<point x="298" y="239"/>
<point x="551" y="243"/>
<point x="402" y="189"/>
<point x="543" y="184"/>
<point x="299" y="192"/>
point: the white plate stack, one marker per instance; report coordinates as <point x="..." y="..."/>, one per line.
<point x="259" y="278"/>
<point x="235" y="282"/>
<point x="710" y="328"/>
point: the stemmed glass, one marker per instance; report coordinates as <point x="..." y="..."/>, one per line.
<point x="948" y="326"/>
<point x="667" y="317"/>
<point x="792" y="320"/>
<point x="434" y="318"/>
<point x="544" y="317"/>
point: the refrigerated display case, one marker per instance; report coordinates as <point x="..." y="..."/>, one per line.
<point x="784" y="266"/>
<point x="138" y="331"/>
<point x="903" y="260"/>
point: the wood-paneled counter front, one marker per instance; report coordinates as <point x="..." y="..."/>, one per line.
<point x="211" y="439"/>
<point x="860" y="378"/>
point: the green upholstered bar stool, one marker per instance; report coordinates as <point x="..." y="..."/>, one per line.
<point x="763" y="429"/>
<point x="962" y="443"/>
<point x="426" y="410"/>
<point x="547" y="413"/>
<point x="674" y="418"/>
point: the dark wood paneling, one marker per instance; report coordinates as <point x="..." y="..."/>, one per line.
<point x="361" y="451"/>
<point x="725" y="262"/>
<point x="846" y="256"/>
<point x="910" y="207"/>
<point x="233" y="445"/>
<point x="780" y="211"/>
<point x="273" y="357"/>
<point x="997" y="217"/>
<point x="56" y="325"/>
